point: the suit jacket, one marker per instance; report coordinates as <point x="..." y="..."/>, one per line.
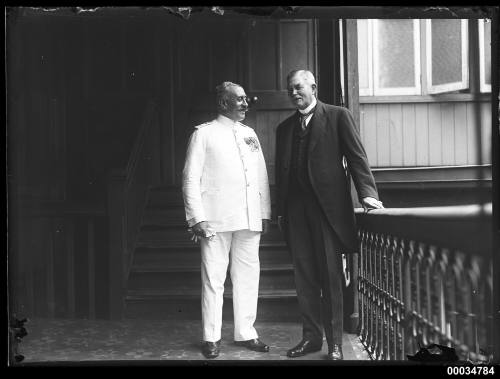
<point x="225" y="172"/>
<point x="333" y="136"/>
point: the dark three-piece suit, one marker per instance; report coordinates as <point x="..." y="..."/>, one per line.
<point x="314" y="199"/>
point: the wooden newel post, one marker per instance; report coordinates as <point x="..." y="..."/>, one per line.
<point x="116" y="223"/>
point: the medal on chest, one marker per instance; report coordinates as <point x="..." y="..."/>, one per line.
<point x="252" y="143"/>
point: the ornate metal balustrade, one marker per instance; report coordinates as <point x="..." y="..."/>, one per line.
<point x="425" y="276"/>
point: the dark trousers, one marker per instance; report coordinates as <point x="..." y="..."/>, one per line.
<point x="316" y="253"/>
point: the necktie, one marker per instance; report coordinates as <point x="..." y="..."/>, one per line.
<point x="303" y="118"/>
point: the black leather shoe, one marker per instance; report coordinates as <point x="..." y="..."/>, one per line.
<point x="304" y="347"/>
<point x="335" y="353"/>
<point x="255" y="345"/>
<point x="210" y="349"/>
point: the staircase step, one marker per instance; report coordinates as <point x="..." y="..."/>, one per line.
<point x="158" y="214"/>
<point x="190" y="265"/>
<point x="171" y="230"/>
<point x="188" y="256"/>
<point x="161" y="233"/>
<point x="159" y="221"/>
<point x="271" y="278"/>
<point x="158" y="198"/>
<point x="188" y="244"/>
<point x="141" y="295"/>
<point x="165" y="279"/>
<point x="282" y="307"/>
<point x="186" y="259"/>
<point x="156" y="252"/>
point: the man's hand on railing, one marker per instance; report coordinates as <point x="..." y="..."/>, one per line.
<point x="371" y="203"/>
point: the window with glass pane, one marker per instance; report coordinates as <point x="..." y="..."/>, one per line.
<point x="446" y="55"/>
<point x="396" y="57"/>
<point x="485" y="55"/>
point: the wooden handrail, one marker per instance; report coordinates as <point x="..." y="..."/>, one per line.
<point x="139" y="141"/>
<point x="444" y="213"/>
<point x="466" y="228"/>
<point x="127" y="195"/>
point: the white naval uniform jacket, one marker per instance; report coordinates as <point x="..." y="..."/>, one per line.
<point x="225" y="177"/>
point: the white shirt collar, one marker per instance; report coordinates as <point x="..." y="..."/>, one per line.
<point x="311" y="106"/>
<point x="224" y="120"/>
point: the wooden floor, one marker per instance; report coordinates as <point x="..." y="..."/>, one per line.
<point x="68" y="341"/>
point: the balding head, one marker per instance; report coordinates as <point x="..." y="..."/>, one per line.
<point x="223" y="94"/>
<point x="231" y="100"/>
<point x="306" y="75"/>
<point x="302" y="88"/>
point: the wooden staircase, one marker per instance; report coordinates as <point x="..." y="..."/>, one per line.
<point x="165" y="280"/>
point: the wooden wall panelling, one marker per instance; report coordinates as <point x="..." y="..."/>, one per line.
<point x="226" y="46"/>
<point x="435" y="135"/>
<point x="63" y="271"/>
<point x="460" y="125"/>
<point x="81" y="262"/>
<point x="473" y="135"/>
<point x="265" y="127"/>
<point x="59" y="274"/>
<point x="427" y="134"/>
<point x="91" y="268"/>
<point x="101" y="262"/>
<point x="396" y="134"/>
<point x="422" y="134"/>
<point x="70" y="268"/>
<point x="263" y="62"/>
<point x="368" y="122"/>
<point x="167" y="87"/>
<point x="191" y="67"/>
<point x="447" y="134"/>
<point x="296" y="39"/>
<point x="486" y="132"/>
<point x="105" y="46"/>
<point x="383" y="136"/>
<point x="40" y="246"/>
<point x="409" y="141"/>
<point x="140" y="50"/>
<point x="57" y="147"/>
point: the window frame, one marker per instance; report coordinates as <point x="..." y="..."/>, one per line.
<point x="483" y="86"/>
<point x="395" y="91"/>
<point x="426" y="93"/>
<point x="368" y="91"/>
<point x="454" y="86"/>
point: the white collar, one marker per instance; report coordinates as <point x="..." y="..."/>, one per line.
<point x="311" y="106"/>
<point x="224" y="120"/>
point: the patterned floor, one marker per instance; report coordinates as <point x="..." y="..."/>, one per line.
<point x="51" y="341"/>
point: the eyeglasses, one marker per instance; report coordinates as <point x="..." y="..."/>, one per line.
<point x="243" y="98"/>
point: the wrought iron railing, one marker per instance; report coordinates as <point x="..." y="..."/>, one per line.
<point x="424" y="277"/>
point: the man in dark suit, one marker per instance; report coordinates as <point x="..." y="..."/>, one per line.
<point x="315" y="209"/>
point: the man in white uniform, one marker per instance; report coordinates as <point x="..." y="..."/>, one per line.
<point x="227" y="203"/>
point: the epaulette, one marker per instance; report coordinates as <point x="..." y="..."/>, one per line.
<point x="203" y="125"/>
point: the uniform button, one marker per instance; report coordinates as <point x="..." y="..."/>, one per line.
<point x="248" y="185"/>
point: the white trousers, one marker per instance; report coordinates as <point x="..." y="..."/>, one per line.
<point x="240" y="249"/>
